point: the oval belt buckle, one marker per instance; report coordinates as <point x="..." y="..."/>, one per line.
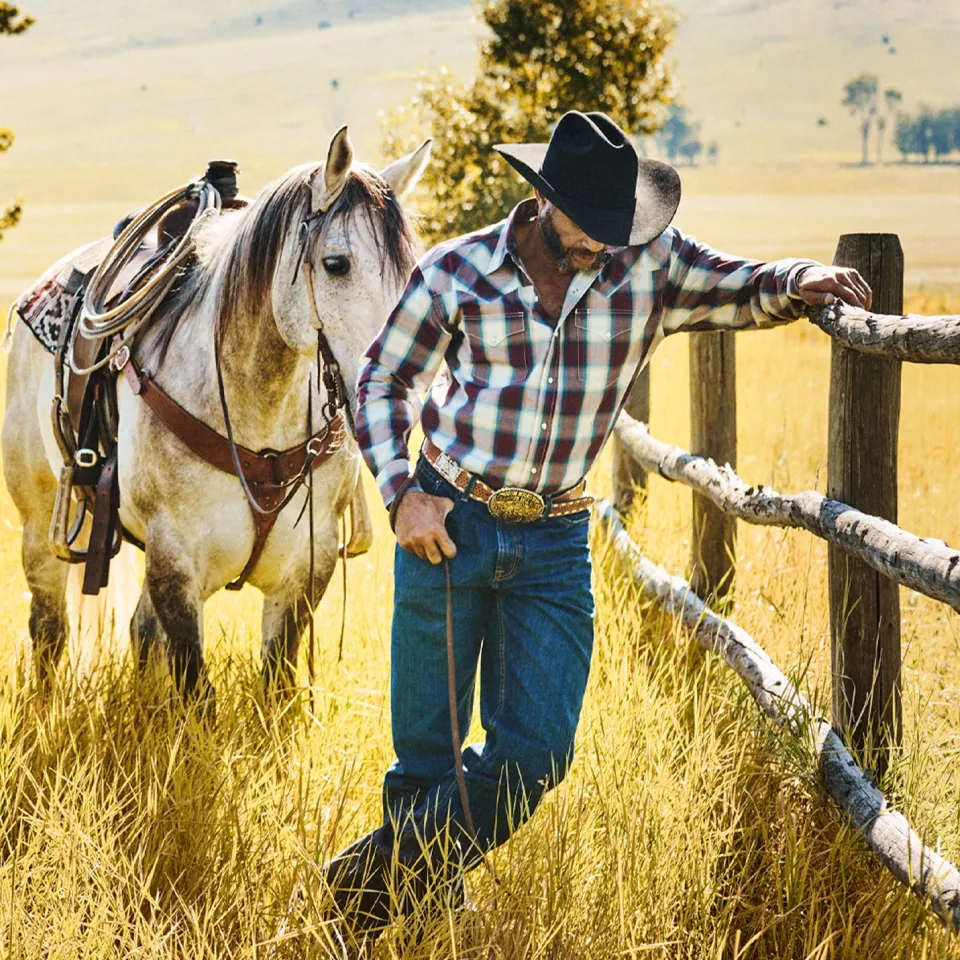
<point x="516" y="505"/>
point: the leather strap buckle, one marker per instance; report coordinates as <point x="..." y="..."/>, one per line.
<point x="120" y="359"/>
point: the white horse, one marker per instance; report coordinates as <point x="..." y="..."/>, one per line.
<point x="247" y="289"/>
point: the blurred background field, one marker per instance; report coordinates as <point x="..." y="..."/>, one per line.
<point x="687" y="827"/>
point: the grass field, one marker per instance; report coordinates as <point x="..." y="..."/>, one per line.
<point x="688" y="827"/>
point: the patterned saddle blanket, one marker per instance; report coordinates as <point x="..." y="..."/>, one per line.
<point x="53" y="301"/>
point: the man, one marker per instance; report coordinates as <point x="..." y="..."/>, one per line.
<point x="544" y="321"/>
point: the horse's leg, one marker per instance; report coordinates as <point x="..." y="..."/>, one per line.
<point x="286" y="615"/>
<point x="33" y="489"/>
<point x="145" y="629"/>
<point x="175" y="597"/>
<point x="47" y="579"/>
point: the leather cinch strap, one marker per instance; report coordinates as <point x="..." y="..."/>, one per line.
<point x="269" y="474"/>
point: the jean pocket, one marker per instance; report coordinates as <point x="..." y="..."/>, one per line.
<point x="431" y="482"/>
<point x="579" y="519"/>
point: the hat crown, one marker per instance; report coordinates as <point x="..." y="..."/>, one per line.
<point x="589" y="157"/>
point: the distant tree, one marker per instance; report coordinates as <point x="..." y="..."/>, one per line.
<point x="891" y="100"/>
<point x="540" y="60"/>
<point x="908" y="136"/>
<point x="713" y="153"/>
<point x="690" y="150"/>
<point x="11" y="22"/>
<point x="861" y="99"/>
<point x="678" y="138"/>
<point x="940" y="126"/>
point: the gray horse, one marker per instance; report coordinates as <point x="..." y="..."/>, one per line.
<point x="246" y="289"/>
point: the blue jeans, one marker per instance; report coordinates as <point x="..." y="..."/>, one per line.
<point x="523" y="614"/>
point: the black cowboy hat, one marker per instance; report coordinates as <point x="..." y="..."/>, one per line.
<point x="591" y="171"/>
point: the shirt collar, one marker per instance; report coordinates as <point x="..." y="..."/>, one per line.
<point x="523" y="212"/>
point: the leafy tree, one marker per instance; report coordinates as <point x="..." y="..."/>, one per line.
<point x="908" y="135"/>
<point x="679" y="139"/>
<point x="541" y="60"/>
<point x="861" y="98"/>
<point x="891" y="99"/>
<point x="939" y="127"/>
<point x="11" y="22"/>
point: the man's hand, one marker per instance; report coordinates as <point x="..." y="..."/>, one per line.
<point x="821" y="286"/>
<point x="420" y="526"/>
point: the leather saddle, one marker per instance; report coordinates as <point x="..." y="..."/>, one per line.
<point x="85" y="423"/>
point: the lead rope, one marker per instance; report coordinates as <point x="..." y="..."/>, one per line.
<point x="455" y="737"/>
<point x="310" y="596"/>
<point x="343" y="565"/>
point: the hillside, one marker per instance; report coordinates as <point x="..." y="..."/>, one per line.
<point x="114" y="103"/>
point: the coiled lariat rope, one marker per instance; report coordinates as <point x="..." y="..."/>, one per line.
<point x="97" y="320"/>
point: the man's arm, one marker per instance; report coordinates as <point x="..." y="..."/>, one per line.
<point x="709" y="290"/>
<point x="401" y="363"/>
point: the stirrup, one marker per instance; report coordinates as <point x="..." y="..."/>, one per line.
<point x="62" y="534"/>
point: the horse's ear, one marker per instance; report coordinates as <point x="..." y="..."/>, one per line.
<point x="335" y="171"/>
<point x="403" y="174"/>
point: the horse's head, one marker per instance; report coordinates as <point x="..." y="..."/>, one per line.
<point x="358" y="247"/>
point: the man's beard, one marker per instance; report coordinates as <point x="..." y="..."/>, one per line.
<point x="561" y="255"/>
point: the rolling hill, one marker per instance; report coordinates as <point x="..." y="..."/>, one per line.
<point x="114" y="103"/>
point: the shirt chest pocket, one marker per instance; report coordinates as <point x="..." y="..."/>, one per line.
<point x="496" y="349"/>
<point x="604" y="342"/>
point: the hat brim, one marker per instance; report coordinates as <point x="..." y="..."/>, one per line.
<point x="657" y="197"/>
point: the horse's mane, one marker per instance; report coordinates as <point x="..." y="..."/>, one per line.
<point x="241" y="249"/>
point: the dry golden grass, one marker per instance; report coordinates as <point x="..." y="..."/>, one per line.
<point x="688" y="827"/>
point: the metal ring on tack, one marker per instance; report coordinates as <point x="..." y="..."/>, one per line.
<point x="85" y="457"/>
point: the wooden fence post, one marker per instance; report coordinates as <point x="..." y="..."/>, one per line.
<point x="627" y="473"/>
<point x="862" y="471"/>
<point x="713" y="433"/>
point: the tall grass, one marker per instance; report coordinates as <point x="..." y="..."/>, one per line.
<point x="688" y="827"/>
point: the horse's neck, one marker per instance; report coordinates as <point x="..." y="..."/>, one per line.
<point x="265" y="382"/>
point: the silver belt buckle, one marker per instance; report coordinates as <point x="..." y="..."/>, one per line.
<point x="516" y="505"/>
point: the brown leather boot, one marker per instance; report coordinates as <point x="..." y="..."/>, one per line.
<point x="370" y="887"/>
<point x="359" y="879"/>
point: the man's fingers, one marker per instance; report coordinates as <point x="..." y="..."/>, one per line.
<point x="447" y="546"/>
<point x="818" y="298"/>
<point x="432" y="551"/>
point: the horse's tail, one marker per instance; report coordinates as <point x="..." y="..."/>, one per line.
<point x="100" y="625"/>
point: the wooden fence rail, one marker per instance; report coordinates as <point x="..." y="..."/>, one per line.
<point x="910" y="337"/>
<point x="869" y="556"/>
<point x="927" y="566"/>
<point x="886" y="831"/>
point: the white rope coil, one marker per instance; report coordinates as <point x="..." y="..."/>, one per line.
<point x="97" y="322"/>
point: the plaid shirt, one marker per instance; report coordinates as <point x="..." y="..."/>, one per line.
<point x="526" y="402"/>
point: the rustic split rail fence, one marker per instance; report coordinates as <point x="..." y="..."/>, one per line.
<point x="869" y="556"/>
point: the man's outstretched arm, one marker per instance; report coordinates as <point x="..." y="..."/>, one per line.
<point x="710" y="290"/>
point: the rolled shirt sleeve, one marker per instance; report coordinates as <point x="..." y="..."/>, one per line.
<point x="710" y="290"/>
<point x="400" y="365"/>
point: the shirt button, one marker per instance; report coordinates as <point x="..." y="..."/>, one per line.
<point x="549" y="379"/>
<point x="543" y="426"/>
<point x="533" y="469"/>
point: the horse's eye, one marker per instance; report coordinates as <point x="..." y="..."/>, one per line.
<point x="338" y="266"/>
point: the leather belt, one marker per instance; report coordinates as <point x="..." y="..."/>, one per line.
<point x="509" y="504"/>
